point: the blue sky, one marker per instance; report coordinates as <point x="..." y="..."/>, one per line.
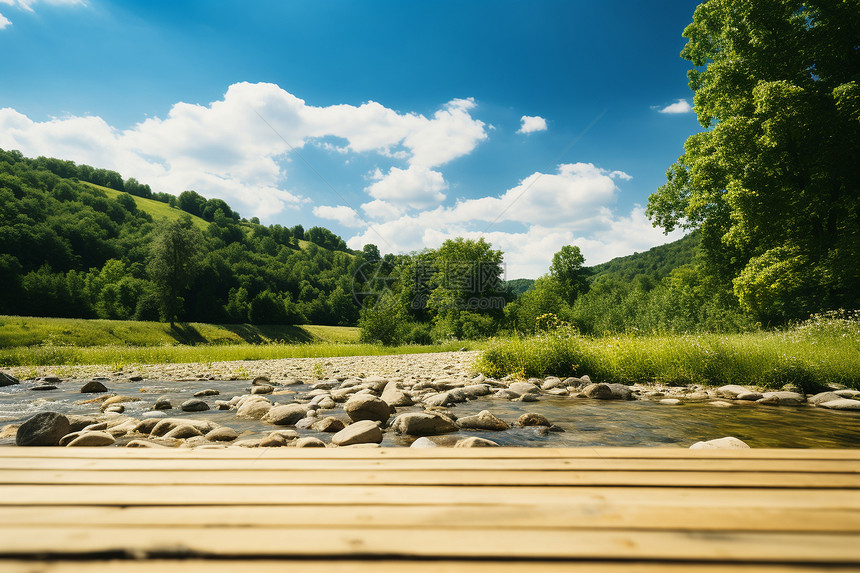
<point x="533" y="124"/>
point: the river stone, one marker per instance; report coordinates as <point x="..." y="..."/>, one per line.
<point x="424" y="442"/>
<point x="145" y="444"/>
<point x="342" y="394"/>
<point x="842" y="404"/>
<point x="285" y="415"/>
<point x="43" y="387"/>
<point x="222" y="434"/>
<point x="274" y="440"/>
<point x="249" y="443"/>
<point x="183" y="432"/>
<point x="395" y="396"/>
<point x="161" y="427"/>
<point x="782" y="398"/>
<point x="847" y="393"/>
<point x="750" y="396"/>
<point x="65" y="440"/>
<point x="43" y="429"/>
<point x="310" y="442"/>
<point x="194" y="406"/>
<point x="163" y="403"/>
<point x="423" y="424"/>
<point x="551" y="382"/>
<point x="206" y="392"/>
<point x="92" y="439"/>
<point x="721" y="404"/>
<point x="8" y="431"/>
<point x="598" y="391"/>
<point x="727" y="443"/>
<point x="8" y="380"/>
<point x="117" y="430"/>
<point x="484" y="420"/>
<point x="329" y="425"/>
<point x="260" y="381"/>
<point x="360" y="432"/>
<point x="473" y="391"/>
<point x="823" y="397"/>
<point x="532" y="419"/>
<point x="731" y="391"/>
<point x="92" y="387"/>
<point x="524" y="388"/>
<point x="256" y="408"/>
<point x="327" y="403"/>
<point x="306" y="423"/>
<point x="367" y="407"/>
<point x="117" y="400"/>
<point x="505" y="394"/>
<point x="78" y="422"/>
<point x="670" y="401"/>
<point x="114" y="409"/>
<point x="153" y="414"/>
<point x="262" y="389"/>
<point x="475" y="442"/>
<point x="621" y="392"/>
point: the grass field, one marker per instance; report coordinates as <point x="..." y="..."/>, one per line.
<point x="820" y="351"/>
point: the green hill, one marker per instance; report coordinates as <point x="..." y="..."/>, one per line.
<point x="156" y="209"/>
<point x="655" y="263"/>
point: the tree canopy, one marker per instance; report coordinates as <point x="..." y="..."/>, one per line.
<point x="774" y="180"/>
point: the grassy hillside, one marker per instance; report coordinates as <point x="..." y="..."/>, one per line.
<point x="657" y="262"/>
<point x="19" y="331"/>
<point x="155" y="208"/>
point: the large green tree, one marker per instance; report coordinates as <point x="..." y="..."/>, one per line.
<point x="774" y="181"/>
<point x="175" y="254"/>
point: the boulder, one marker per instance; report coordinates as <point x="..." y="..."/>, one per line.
<point x="532" y="419"/>
<point x="256" y="407"/>
<point x="621" y="392"/>
<point x="285" y="415"/>
<point x="524" y="388"/>
<point x="329" y="425"/>
<point x="475" y="442"/>
<point x="8" y="380"/>
<point x="194" y="405"/>
<point x="727" y="443"/>
<point x="394" y="396"/>
<point x="360" y="432"/>
<point x="823" y="397"/>
<point x="731" y="391"/>
<point x="92" y="387"/>
<point x="423" y="424"/>
<point x="473" y="391"/>
<point x="484" y="420"/>
<point x="367" y="407"/>
<point x="782" y="398"/>
<point x="92" y="439"/>
<point x="842" y="404"/>
<point x="43" y="429"/>
<point x="598" y="391"/>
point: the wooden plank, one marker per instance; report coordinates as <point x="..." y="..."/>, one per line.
<point x="432" y="453"/>
<point x="442" y="543"/>
<point x="433" y="464"/>
<point x="53" y="495"/>
<point x="593" y="515"/>
<point x="700" y="479"/>
<point x="399" y="566"/>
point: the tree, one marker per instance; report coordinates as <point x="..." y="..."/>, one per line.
<point x="567" y="270"/>
<point x="774" y="182"/>
<point x="174" y="258"/>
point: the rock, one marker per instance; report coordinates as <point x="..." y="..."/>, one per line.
<point x="92" y="387"/>
<point x="116" y="430"/>
<point x="727" y="443"/>
<point x="327" y="403"/>
<point x="367" y="407"/>
<point x="285" y="415"/>
<point x="43" y="429"/>
<point x="670" y="401"/>
<point x="476" y="390"/>
<point x="78" y="423"/>
<point x="255" y="408"/>
<point x="183" y="432"/>
<point x="721" y="404"/>
<point x="395" y="396"/>
<point x="260" y="381"/>
<point x="847" y="393"/>
<point x="207" y="392"/>
<point x="424" y="442"/>
<point x="262" y="389"/>
<point x="161" y="427"/>
<point x="250" y="443"/>
<point x="598" y="391"/>
<point x="144" y="444"/>
<point x="329" y="425"/>
<point x="621" y="392"/>
<point x="484" y="420"/>
<point x="823" y="397"/>
<point x="423" y="424"/>
<point x="162" y="403"/>
<point x="8" y="431"/>
<point x="8" y="380"/>
<point x="792" y="387"/>
<point x="750" y="396"/>
<point x="528" y="398"/>
<point x="274" y="440"/>
<point x="310" y="442"/>
<point x="114" y="409"/>
<point x="222" y="434"/>
<point x="550" y="383"/>
<point x="153" y="414"/>
<point x="524" y="388"/>
<point x="474" y="442"/>
<point x="92" y="439"/>
<point x="43" y="387"/>
<point x="505" y="394"/>
<point x="51" y="379"/>
<point x="532" y="419"/>
<point x="842" y="404"/>
<point x="782" y="398"/>
<point x="361" y="432"/>
<point x="115" y="400"/>
<point x="194" y="406"/>
<point x="731" y="391"/>
<point x="306" y="423"/>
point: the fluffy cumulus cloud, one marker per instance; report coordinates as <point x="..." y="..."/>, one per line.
<point x="680" y="106"/>
<point x="344" y="215"/>
<point x="531" y="124"/>
<point x="570" y="206"/>
<point x="233" y="148"/>
<point x="4" y="22"/>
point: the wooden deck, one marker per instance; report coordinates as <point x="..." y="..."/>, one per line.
<point x="438" y="510"/>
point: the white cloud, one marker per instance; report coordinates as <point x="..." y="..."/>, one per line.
<point x="680" y="106"/>
<point x="4" y="22"/>
<point x="233" y="148"/>
<point x="531" y="124"/>
<point x="344" y="215"/>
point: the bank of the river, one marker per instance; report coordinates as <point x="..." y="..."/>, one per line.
<point x="402" y="400"/>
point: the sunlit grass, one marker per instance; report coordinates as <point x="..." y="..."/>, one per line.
<point x="817" y="352"/>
